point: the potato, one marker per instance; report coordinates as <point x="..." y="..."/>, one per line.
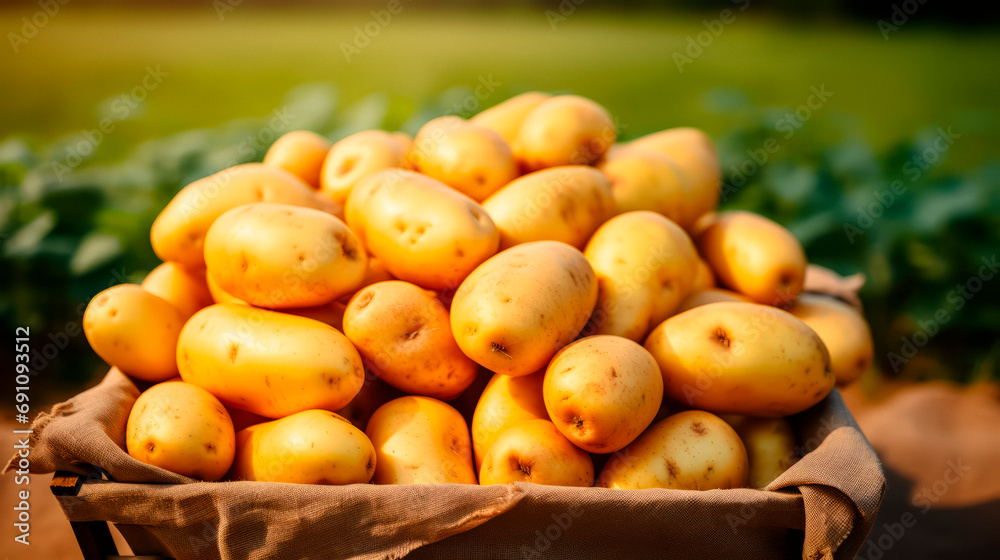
<point x="403" y="139"/>
<point x="844" y="332"/>
<point x="268" y="363"/>
<point x="754" y="256"/>
<point x="645" y="265"/>
<point x="644" y="180"/>
<point x="330" y="313"/>
<point x="564" y="130"/>
<point x="135" y="331"/>
<point x="505" y="118"/>
<point x="602" y="392"/>
<point x="183" y="429"/>
<point x="374" y="393"/>
<point x="186" y="290"/>
<point x="742" y="357"/>
<point x="770" y="445"/>
<point x="301" y="153"/>
<point x="423" y="230"/>
<point x="403" y="332"/>
<point x="710" y="295"/>
<point x="376" y="272"/>
<point x="535" y="451"/>
<point x="420" y="440"/>
<point x="520" y="307"/>
<point x="505" y="401"/>
<point x="178" y="233"/>
<point x="704" y="278"/>
<point x="308" y="447"/>
<point x="692" y="450"/>
<point x="219" y="295"/>
<point x="560" y="204"/>
<point x="470" y="158"/>
<point x="356" y="157"/>
<point x="693" y="152"/>
<point x="279" y="256"/>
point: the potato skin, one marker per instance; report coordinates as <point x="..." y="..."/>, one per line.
<point x="565" y="203"/>
<point x="645" y="180"/>
<point x="308" y="447"/>
<point x="645" y="265"/>
<point x="515" y="311"/>
<point x="710" y="295"/>
<point x="505" y="118"/>
<point x="564" y="130"/>
<point x="354" y="158"/>
<point x="186" y="290"/>
<point x="420" y="440"/>
<point x="178" y="233"/>
<point x="268" y="363"/>
<point x="754" y="256"/>
<point x="403" y="332"/>
<point x="534" y="451"/>
<point x="694" y="154"/>
<point x="183" y="429"/>
<point x="744" y="358"/>
<point x="602" y="392"/>
<point x="471" y="159"/>
<point x="704" y="277"/>
<point x="134" y="331"/>
<point x="844" y="331"/>
<point x="424" y="231"/>
<point x="692" y="450"/>
<point x="504" y="402"/>
<point x="280" y="256"/>
<point x="770" y="445"/>
<point x="301" y="153"/>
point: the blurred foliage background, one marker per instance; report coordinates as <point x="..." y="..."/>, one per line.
<point x="878" y="146"/>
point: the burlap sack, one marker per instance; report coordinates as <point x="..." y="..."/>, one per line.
<point x="823" y="507"/>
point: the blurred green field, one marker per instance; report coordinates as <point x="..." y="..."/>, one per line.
<point x="243" y="64"/>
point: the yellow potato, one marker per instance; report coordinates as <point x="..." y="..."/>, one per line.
<point x="308" y="447"/>
<point x="178" y="234"/>
<point x="693" y="152"/>
<point x="535" y="451"/>
<point x="602" y="392"/>
<point x="403" y="139"/>
<point x="645" y="265"/>
<point x="186" y="290"/>
<point x="376" y="272"/>
<point x="710" y="295"/>
<point x="330" y="313"/>
<point x="564" y="130"/>
<point x="135" y="331"/>
<point x="505" y="401"/>
<point x="423" y="230"/>
<point x="519" y="308"/>
<point x="770" y="445"/>
<point x="356" y="157"/>
<point x="505" y="118"/>
<point x="373" y="394"/>
<point x="470" y="158"/>
<point x="692" y="450"/>
<point x="420" y="440"/>
<point x="560" y="204"/>
<point x="704" y="278"/>
<point x="300" y="152"/>
<point x="741" y="357"/>
<point x="844" y="331"/>
<point x="279" y="256"/>
<point x="219" y="295"/>
<point x="645" y="180"/>
<point x="183" y="429"/>
<point x="404" y="334"/>
<point x="754" y="256"/>
<point x="268" y="363"/>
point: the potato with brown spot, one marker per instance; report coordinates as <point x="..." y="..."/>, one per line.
<point x="844" y="331"/>
<point x="135" y="331"/>
<point x="183" y="429"/>
<point x="565" y="203"/>
<point x="692" y="450"/>
<point x="504" y="402"/>
<point x="300" y="152"/>
<point x="404" y="334"/>
<point x="355" y="158"/>
<point x="520" y="307"/>
<point x="309" y="447"/>
<point x="279" y="256"/>
<point x="741" y="357"/>
<point x="564" y="130"/>
<point x="534" y="451"/>
<point x="602" y="391"/>
<point x="420" y="440"/>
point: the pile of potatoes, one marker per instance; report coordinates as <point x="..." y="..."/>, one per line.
<point x="513" y="297"/>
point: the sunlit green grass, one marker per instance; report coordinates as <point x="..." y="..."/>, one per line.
<point x="242" y="65"/>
